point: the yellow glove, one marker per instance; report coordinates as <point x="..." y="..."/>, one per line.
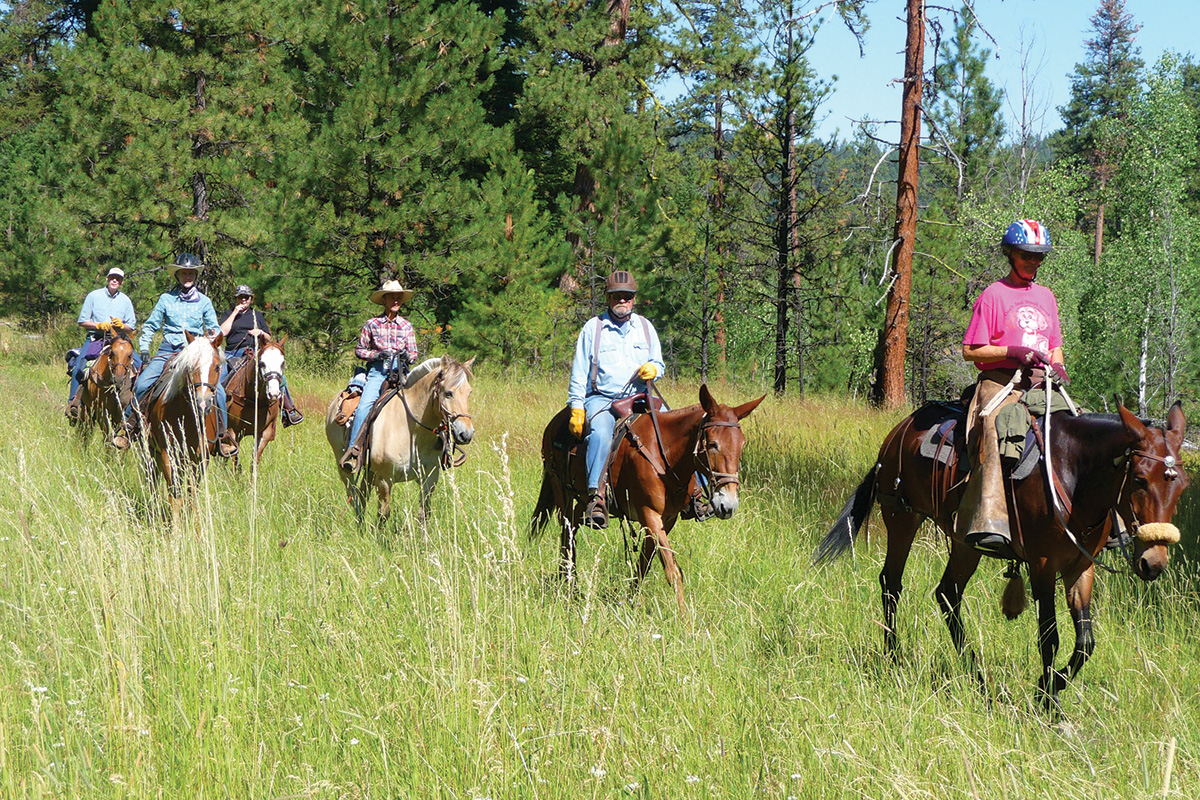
<point x="647" y="371"/>
<point x="117" y="323"/>
<point x="578" y="416"/>
<point x="104" y="327"/>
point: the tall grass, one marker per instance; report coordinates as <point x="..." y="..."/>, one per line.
<point x="266" y="646"/>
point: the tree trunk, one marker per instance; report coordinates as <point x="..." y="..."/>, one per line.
<point x="788" y="277"/>
<point x="1098" y="244"/>
<point x="1144" y="363"/>
<point x="889" y="386"/>
<point x="718" y="203"/>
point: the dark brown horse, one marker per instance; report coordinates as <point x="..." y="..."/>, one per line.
<point x="1101" y="463"/>
<point x="107" y="387"/>
<point x="649" y="482"/>
<point x="180" y="411"/>
<point x="254" y="391"/>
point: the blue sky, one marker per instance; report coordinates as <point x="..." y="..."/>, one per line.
<point x="1053" y="30"/>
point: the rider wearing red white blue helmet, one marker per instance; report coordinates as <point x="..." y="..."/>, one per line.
<point x="1014" y="326"/>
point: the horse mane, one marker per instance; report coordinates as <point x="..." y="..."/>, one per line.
<point x="456" y="372"/>
<point x="191" y="357"/>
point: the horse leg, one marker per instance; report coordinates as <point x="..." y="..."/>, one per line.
<point x="901" y="529"/>
<point x="1041" y="585"/>
<point x="949" y="593"/>
<point x="1079" y="601"/>
<point x="383" y="491"/>
<point x="656" y="540"/>
<point x="429" y="482"/>
<point x="266" y="437"/>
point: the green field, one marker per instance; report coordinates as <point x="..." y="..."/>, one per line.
<point x="266" y="647"/>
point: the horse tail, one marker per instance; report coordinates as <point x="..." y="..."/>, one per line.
<point x="544" y="507"/>
<point x="841" y="536"/>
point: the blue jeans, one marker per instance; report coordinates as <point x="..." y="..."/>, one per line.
<point x="376" y="373"/>
<point x="154" y="369"/>
<point x="601" y="424"/>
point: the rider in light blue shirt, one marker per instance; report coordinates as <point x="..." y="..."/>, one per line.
<point x="101" y="308"/>
<point x="628" y="355"/>
<point x="183" y="308"/>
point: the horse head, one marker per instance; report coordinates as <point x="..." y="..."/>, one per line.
<point x="718" y="449"/>
<point x="1154" y="480"/>
<point x="270" y="367"/>
<point x="453" y="394"/>
<point x="197" y="369"/>
<point x="120" y="365"/>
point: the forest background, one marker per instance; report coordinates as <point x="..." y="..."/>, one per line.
<point x="500" y="157"/>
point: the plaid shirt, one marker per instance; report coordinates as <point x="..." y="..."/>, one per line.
<point x="381" y="334"/>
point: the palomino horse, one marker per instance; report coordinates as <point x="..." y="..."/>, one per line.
<point x="1101" y="463"/>
<point x="414" y="436"/>
<point x="107" y="387"/>
<point x="180" y="411"/>
<point x="649" y="476"/>
<point x="253" y="392"/>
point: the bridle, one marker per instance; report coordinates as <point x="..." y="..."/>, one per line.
<point x="452" y="454"/>
<point x="715" y="480"/>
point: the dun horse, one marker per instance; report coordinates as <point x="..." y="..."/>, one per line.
<point x="649" y="476"/>
<point x="414" y="436"/>
<point x="180" y="411"/>
<point x="1100" y="462"/>
<point x="107" y="387"/>
<point x="254" y="391"/>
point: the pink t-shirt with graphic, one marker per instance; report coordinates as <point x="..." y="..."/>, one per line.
<point x="1006" y="315"/>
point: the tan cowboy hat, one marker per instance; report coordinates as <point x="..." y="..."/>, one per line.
<point x="391" y="287"/>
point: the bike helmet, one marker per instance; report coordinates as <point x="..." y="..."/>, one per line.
<point x="620" y="280"/>
<point x="1028" y="235"/>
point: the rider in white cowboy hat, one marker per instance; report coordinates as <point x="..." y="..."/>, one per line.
<point x="384" y="343"/>
<point x="104" y="310"/>
<point x="183" y="308"/>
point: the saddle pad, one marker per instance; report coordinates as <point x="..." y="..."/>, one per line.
<point x="941" y="443"/>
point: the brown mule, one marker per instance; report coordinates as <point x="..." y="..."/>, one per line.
<point x="1101" y="462"/>
<point x="649" y="482"/>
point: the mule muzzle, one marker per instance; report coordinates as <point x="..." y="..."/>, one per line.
<point x="725" y="501"/>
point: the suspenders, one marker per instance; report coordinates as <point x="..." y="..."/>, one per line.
<point x="596" y="349"/>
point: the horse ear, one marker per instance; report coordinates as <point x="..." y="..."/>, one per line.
<point x="706" y="400"/>
<point x="469" y="362"/>
<point x="1176" y="425"/>
<point x="744" y="409"/>
<point x="1132" y="423"/>
<point x="281" y="342"/>
<point x="188" y="335"/>
<point x="216" y="340"/>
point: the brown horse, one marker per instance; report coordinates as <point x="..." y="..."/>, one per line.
<point x="1101" y="463"/>
<point x="180" y="411"/>
<point x="254" y="391"/>
<point x="649" y="478"/>
<point x="107" y="387"/>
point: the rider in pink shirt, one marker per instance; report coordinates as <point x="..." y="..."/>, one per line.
<point x="1014" y="325"/>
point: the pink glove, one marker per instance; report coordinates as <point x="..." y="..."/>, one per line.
<point x="1061" y="373"/>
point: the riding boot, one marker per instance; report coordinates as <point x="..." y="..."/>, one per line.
<point x="227" y="446"/>
<point x="291" y="414"/>
<point x="74" y="407"/>
<point x="697" y="507"/>
<point x="982" y="520"/>
<point x="351" y="460"/>
<point x="595" y="515"/>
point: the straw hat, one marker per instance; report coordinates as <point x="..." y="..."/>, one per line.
<point x="391" y="287"/>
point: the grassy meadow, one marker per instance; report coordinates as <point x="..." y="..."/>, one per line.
<point x="267" y="647"/>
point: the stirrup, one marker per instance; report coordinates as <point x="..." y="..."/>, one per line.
<point x="74" y="406"/>
<point x="292" y="416"/>
<point x="596" y="514"/>
<point x="696" y="508"/>
<point x="224" y="443"/>
<point x="987" y="543"/>
<point x="120" y="441"/>
<point x="349" y="460"/>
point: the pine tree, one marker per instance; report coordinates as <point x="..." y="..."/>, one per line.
<point x="1102" y="88"/>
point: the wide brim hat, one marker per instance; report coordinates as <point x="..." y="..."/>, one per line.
<point x="390" y="287"/>
<point x="174" y="268"/>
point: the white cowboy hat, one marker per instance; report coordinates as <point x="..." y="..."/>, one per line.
<point x="391" y="287"/>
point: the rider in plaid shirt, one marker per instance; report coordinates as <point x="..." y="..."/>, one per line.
<point x="383" y="341"/>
